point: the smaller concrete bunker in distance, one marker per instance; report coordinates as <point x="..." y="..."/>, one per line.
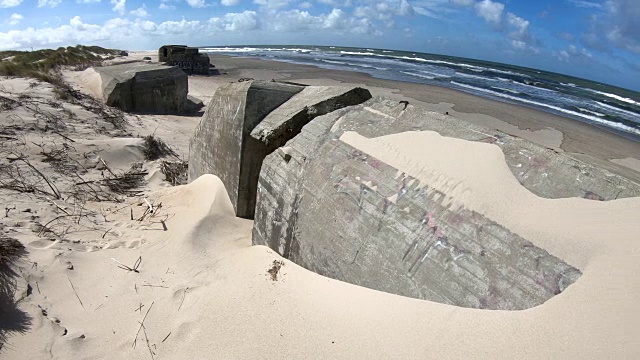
<point x="186" y="58"/>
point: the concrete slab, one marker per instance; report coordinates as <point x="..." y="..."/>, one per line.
<point x="276" y="129"/>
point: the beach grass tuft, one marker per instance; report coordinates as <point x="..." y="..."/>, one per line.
<point x="43" y="64"/>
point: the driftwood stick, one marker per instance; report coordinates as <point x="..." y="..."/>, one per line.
<point x="149" y="204"/>
<point x="68" y="138"/>
<point x="74" y="290"/>
<point x="166" y="337"/>
<point x="142" y="324"/>
<point x="59" y="207"/>
<point x="184" y="293"/>
<point x="107" y="167"/>
<point x="125" y="267"/>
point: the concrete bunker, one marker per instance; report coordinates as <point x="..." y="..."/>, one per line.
<point x="144" y="87"/>
<point x="324" y="205"/>
<point x="186" y="58"/>
<point x="246" y="121"/>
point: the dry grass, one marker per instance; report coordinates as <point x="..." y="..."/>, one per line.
<point x="155" y="148"/>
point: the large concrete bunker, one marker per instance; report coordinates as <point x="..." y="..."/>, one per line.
<point x="144" y="87"/>
<point x="186" y="58"/>
<point x="339" y="212"/>
<point x="246" y="121"/>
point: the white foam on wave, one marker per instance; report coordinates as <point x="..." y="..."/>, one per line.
<point x="598" y="120"/>
<point x="614" y="96"/>
<point x="418" y="75"/>
<point x="508" y="90"/>
<point x="357" y="53"/>
<point x="235" y="49"/>
<point x="333" y="62"/>
<point x="434" y="74"/>
<point x="534" y="87"/>
<point x="475" y="76"/>
<point x="616" y="109"/>
<point x="590" y="112"/>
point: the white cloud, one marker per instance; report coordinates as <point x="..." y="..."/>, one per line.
<point x="87" y="1"/>
<point x="244" y="21"/>
<point x="385" y="10"/>
<point x="164" y="6"/>
<point x="573" y="54"/>
<point x="119" y="6"/>
<point x="462" y="2"/>
<point x="120" y="32"/>
<point x="337" y="21"/>
<point x="15" y="19"/>
<point x="9" y="3"/>
<point x="586" y="4"/>
<point x="230" y="2"/>
<point x="490" y="11"/>
<point x="140" y="12"/>
<point x="271" y="4"/>
<point x="197" y="3"/>
<point x="49" y="3"/>
<point x="519" y="24"/>
<point x="623" y="27"/>
<point x="305" y="5"/>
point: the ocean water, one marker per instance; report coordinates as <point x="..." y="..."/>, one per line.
<point x="608" y="107"/>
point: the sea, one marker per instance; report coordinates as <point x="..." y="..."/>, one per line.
<point x="608" y="107"/>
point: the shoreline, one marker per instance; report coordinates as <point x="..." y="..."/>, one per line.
<point x="580" y="140"/>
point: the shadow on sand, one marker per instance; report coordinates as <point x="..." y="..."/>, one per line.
<point x="12" y="319"/>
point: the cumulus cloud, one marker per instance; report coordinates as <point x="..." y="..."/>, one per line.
<point x="385" y="10"/>
<point x="230" y="2"/>
<point x="197" y="3"/>
<point x="87" y="1"/>
<point x="272" y="4"/>
<point x="616" y="25"/>
<point x="305" y="5"/>
<point x="586" y="4"/>
<point x="244" y="21"/>
<point x="462" y="2"/>
<point x="164" y="6"/>
<point x="623" y="27"/>
<point x="9" y="3"/>
<point x="573" y="53"/>
<point x="119" y="6"/>
<point x="124" y="31"/>
<point x="490" y="11"/>
<point x="15" y="19"/>
<point x="140" y="12"/>
<point x="49" y="3"/>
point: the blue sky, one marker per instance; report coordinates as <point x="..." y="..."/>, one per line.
<point x="594" y="39"/>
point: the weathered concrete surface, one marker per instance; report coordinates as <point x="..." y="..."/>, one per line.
<point x="277" y="128"/>
<point x="144" y="87"/>
<point x="324" y="205"/>
<point x="222" y="145"/>
<point x="219" y="145"/>
<point x="186" y="58"/>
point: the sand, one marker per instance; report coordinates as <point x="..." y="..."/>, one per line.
<point x="202" y="290"/>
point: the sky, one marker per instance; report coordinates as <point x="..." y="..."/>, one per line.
<point x="593" y="39"/>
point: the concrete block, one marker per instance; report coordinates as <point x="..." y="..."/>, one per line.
<point x="144" y="87"/>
